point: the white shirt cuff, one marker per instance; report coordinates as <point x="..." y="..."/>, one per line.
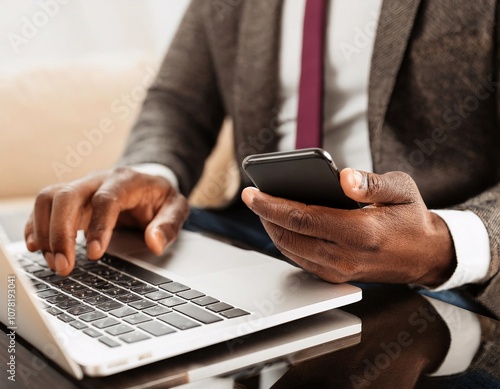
<point x="465" y="333"/>
<point x="156" y="169"/>
<point x="472" y="247"/>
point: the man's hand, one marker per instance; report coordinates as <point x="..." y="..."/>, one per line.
<point x="96" y="204"/>
<point x="393" y="240"/>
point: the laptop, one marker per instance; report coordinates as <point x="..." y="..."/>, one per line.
<point x="133" y="308"/>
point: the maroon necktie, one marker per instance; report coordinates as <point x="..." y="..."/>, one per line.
<point x="310" y="112"/>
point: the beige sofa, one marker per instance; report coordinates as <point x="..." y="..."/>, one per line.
<point x="60" y="121"/>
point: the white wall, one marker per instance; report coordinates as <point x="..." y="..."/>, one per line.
<point x="52" y="30"/>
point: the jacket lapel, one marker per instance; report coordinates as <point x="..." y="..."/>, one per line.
<point x="256" y="85"/>
<point x="395" y="24"/>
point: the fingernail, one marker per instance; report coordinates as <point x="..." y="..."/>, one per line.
<point x="61" y="263"/>
<point x="249" y="194"/>
<point x="49" y="258"/>
<point x="30" y="241"/>
<point x="160" y="237"/>
<point x="94" y="247"/>
<point x="359" y="180"/>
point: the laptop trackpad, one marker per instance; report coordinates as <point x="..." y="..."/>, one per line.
<point x="191" y="255"/>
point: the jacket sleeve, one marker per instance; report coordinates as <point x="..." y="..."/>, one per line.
<point x="183" y="111"/>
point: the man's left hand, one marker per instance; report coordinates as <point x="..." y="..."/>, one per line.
<point x="395" y="239"/>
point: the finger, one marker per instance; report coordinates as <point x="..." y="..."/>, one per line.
<point x="70" y="212"/>
<point x="29" y="235"/>
<point x="327" y="257"/>
<point x="388" y="188"/>
<point x="165" y="227"/>
<point x="41" y="223"/>
<point x="126" y="191"/>
<point x="106" y="207"/>
<point x="336" y="225"/>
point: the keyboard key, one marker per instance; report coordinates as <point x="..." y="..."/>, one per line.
<point x="99" y="299"/>
<point x="219" y="307"/>
<point x="137" y="318"/>
<point x="108" y="341"/>
<point x="122" y="312"/>
<point x="205" y="300"/>
<point x="119" y="329"/>
<point x="136" y="271"/>
<point x="39" y="287"/>
<point x="178" y="321"/>
<point x="156" y="311"/>
<point x="190" y="294"/>
<point x="143" y="289"/>
<point x="156" y="328"/>
<point x="80" y="310"/>
<point x="114" y="291"/>
<point x="78" y="325"/>
<point x="68" y="303"/>
<point x="54" y="311"/>
<point x="34" y="268"/>
<point x="47" y="293"/>
<point x="92" y="281"/>
<point x="234" y="312"/>
<point x="104" y="323"/>
<point x="197" y="313"/>
<point x="157" y="295"/>
<point x="92" y="316"/>
<point x="92" y="333"/>
<point x="104" y="286"/>
<point x="104" y="272"/>
<point x="43" y="274"/>
<point x="109" y="305"/>
<point x="172" y="301"/>
<point x="73" y="288"/>
<point x="133" y="337"/>
<point x="174" y="287"/>
<point x="54" y="279"/>
<point x="86" y="293"/>
<point x="65" y="318"/>
<point x="142" y="304"/>
<point x="128" y="297"/>
<point x="59" y="298"/>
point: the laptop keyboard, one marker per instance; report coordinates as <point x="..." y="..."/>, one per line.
<point x="117" y="302"/>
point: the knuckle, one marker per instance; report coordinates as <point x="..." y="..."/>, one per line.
<point x="375" y="183"/>
<point x="67" y="192"/>
<point x="104" y="198"/>
<point x="45" y="195"/>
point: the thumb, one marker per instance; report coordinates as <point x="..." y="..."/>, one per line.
<point x="371" y="188"/>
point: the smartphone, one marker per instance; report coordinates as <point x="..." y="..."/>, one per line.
<point x="306" y="175"/>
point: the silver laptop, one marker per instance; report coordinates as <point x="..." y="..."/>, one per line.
<point x="133" y="308"/>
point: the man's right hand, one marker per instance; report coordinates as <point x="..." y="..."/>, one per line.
<point x="96" y="204"/>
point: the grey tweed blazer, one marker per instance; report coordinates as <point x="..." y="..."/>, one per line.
<point x="433" y="110"/>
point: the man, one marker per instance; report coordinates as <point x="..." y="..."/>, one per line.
<point x="426" y="123"/>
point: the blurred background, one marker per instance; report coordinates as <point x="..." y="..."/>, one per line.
<point x="73" y="74"/>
